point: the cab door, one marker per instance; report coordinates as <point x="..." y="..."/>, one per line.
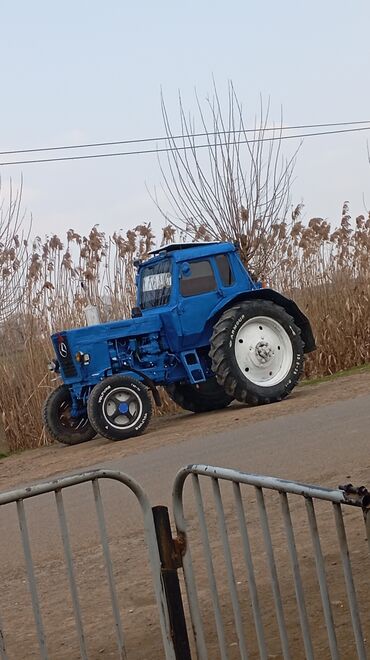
<point x="199" y="293"/>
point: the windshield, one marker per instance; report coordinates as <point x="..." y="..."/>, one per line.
<point x="155" y="287"/>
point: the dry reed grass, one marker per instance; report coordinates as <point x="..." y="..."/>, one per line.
<point x="326" y="271"/>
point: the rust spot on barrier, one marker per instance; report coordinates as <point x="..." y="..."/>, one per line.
<point x="179" y="546"/>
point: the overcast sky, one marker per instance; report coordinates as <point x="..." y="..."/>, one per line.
<point x="88" y="71"/>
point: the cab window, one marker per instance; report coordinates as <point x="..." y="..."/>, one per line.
<point x="224" y="268"/>
<point x="199" y="279"/>
<point x="156" y="284"/>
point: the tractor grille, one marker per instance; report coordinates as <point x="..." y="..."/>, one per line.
<point x="65" y="357"/>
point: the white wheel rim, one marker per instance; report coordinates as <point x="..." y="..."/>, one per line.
<point x="263" y="351"/>
<point x="133" y="408"/>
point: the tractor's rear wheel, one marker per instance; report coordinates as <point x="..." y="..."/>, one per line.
<point x="119" y="407"/>
<point x="59" y="422"/>
<point x="199" y="398"/>
<point x="257" y="352"/>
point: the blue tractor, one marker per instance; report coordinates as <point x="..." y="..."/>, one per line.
<point x="202" y="328"/>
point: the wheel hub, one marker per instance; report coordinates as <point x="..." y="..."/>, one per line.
<point x="263" y="352"/>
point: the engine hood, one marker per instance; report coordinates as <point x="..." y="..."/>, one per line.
<point x="114" y="330"/>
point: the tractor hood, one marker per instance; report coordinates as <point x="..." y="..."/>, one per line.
<point x="112" y="330"/>
<point x="94" y="339"/>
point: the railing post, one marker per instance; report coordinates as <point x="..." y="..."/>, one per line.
<point x="169" y="557"/>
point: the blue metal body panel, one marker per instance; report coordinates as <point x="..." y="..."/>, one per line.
<point x="155" y="345"/>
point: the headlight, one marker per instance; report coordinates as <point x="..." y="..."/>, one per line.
<point x="53" y="366"/>
<point x="83" y="358"/>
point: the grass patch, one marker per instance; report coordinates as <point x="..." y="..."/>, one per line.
<point x="363" y="368"/>
<point x="3" y="456"/>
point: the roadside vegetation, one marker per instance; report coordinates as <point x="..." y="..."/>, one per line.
<point x="326" y="270"/>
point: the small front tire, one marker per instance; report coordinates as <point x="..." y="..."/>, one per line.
<point x="59" y="423"/>
<point x="119" y="407"/>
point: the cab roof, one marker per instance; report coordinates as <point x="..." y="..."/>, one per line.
<point x="185" y="251"/>
<point x="170" y="247"/>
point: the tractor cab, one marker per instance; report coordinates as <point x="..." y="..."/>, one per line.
<point x="190" y="281"/>
<point x="176" y="272"/>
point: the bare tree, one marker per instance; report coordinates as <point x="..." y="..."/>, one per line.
<point x="13" y="253"/>
<point x="227" y="182"/>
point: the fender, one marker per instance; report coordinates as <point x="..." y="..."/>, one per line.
<point x="289" y="305"/>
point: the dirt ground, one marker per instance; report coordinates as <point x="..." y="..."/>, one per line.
<point x="49" y="461"/>
<point x="129" y="554"/>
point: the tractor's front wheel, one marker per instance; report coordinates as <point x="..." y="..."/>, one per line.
<point x="200" y="398"/>
<point x="59" y="422"/>
<point x="257" y="352"/>
<point x="119" y="407"/>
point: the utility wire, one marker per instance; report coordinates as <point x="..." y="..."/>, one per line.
<point x="192" y="147"/>
<point x="178" y="137"/>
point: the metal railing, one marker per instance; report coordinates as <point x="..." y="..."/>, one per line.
<point x="168" y="555"/>
<point x="347" y="496"/>
<point x="57" y="486"/>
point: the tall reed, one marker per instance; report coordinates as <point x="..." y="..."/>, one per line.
<point x="327" y="272"/>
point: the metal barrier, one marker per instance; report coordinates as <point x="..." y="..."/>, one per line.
<point x="343" y="496"/>
<point x="167" y="555"/>
<point x="57" y="486"/>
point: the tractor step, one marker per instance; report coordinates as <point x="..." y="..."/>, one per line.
<point x="193" y="367"/>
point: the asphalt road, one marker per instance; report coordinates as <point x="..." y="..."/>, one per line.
<point x="326" y="445"/>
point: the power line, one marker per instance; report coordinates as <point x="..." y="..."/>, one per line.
<point x="178" y="137"/>
<point x="185" y="147"/>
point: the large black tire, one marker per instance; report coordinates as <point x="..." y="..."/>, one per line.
<point x="58" y="421"/>
<point x="119" y="407"/>
<point x="257" y="352"/>
<point x="200" y="398"/>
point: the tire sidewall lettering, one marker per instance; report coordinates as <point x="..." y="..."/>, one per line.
<point x="104" y="392"/>
<point x="234" y="329"/>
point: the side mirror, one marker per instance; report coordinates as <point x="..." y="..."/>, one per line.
<point x="185" y="269"/>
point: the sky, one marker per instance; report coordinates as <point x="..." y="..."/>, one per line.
<point x="88" y="71"/>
